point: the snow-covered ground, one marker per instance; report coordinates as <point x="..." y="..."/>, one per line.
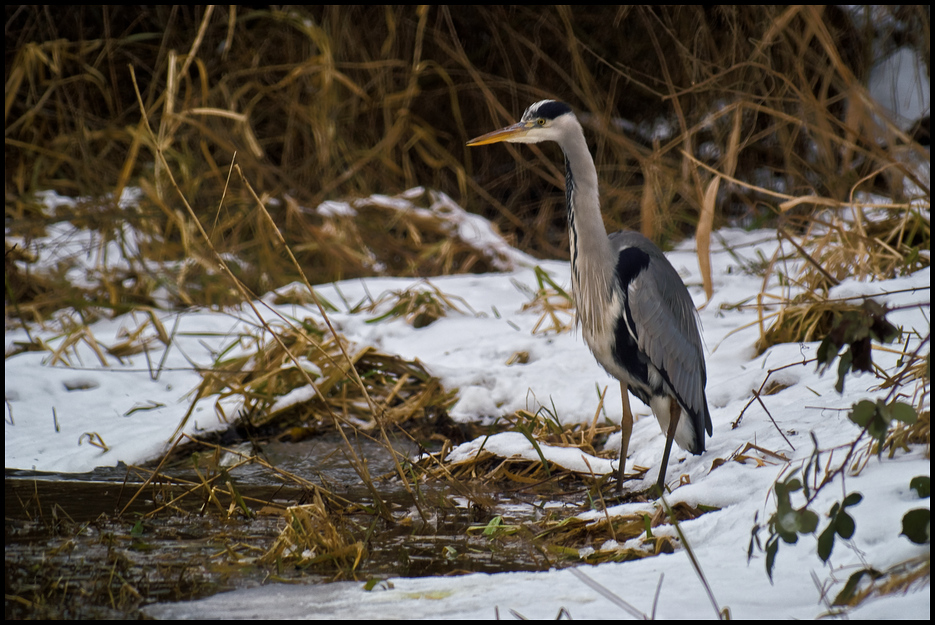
<point x="53" y="407"/>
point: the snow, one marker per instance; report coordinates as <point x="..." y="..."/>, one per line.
<point x="516" y="445"/>
<point x="134" y="404"/>
<point x="901" y="86"/>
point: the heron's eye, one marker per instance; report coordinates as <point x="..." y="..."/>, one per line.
<point x="540" y="121"/>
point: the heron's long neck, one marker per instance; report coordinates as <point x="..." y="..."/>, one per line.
<point x="592" y="261"/>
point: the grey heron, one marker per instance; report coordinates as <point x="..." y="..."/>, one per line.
<point x="635" y="313"/>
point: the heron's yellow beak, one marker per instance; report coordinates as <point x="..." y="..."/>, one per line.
<point x="510" y="133"/>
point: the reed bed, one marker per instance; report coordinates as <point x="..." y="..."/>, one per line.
<point x="696" y="116"/>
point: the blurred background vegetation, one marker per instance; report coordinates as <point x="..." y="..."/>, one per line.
<point x="340" y="102"/>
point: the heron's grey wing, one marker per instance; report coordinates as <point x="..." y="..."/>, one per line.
<point x="665" y="322"/>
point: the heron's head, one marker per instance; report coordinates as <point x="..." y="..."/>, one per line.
<point x="547" y="120"/>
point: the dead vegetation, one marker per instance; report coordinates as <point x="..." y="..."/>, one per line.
<point x="311" y="537"/>
<point x="269" y="377"/>
<point x="697" y="116"/>
<point x="557" y="310"/>
<point x="706" y="114"/>
<point x="420" y="305"/>
<point x="837" y="245"/>
<point x="634" y="536"/>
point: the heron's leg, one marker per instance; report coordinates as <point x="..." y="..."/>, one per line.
<point x="626" y="428"/>
<point x="675" y="411"/>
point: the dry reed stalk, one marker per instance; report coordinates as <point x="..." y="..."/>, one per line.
<point x="346" y="101"/>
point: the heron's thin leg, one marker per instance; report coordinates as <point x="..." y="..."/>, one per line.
<point x="675" y="411"/>
<point x="626" y="428"/>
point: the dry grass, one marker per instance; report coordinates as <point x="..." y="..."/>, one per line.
<point x="265" y="371"/>
<point x="845" y="244"/>
<point x="320" y="103"/>
<point x="420" y="305"/>
<point x="311" y="537"/>
<point x="802" y="320"/>
<point x="839" y="243"/>
<point x="541" y="427"/>
<point x="555" y="305"/>
<point x="912" y="575"/>
<point x="314" y="534"/>
<point x="576" y="533"/>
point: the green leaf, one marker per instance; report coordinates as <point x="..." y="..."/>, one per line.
<point x="786" y="526"/>
<point x="807" y="521"/>
<point x="863" y="412"/>
<point x="844" y="525"/>
<point x="878" y="425"/>
<point x="843" y="367"/>
<point x="886" y="333"/>
<point x="921" y="484"/>
<point x="841" y="524"/>
<point x="850" y="588"/>
<point x="648" y="526"/>
<point x="493" y="525"/>
<point x="826" y="543"/>
<point x="754" y="537"/>
<point x="772" y="547"/>
<point x="827" y="352"/>
<point x="903" y="412"/>
<point x="916" y="526"/>
<point x="852" y="500"/>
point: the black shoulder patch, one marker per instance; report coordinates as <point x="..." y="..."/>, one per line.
<point x="550" y="109"/>
<point x="630" y="263"/>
